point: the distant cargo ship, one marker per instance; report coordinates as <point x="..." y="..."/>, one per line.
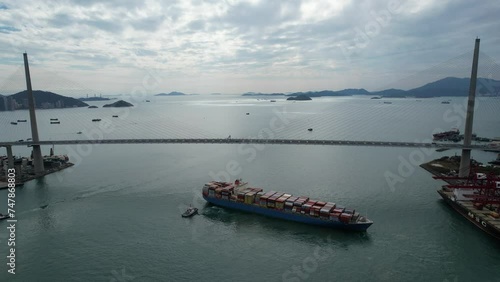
<point x="453" y="134"/>
<point x="284" y="206"/>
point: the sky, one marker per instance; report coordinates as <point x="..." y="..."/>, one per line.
<point x="237" y="46"/>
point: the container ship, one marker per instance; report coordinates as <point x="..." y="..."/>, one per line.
<point x="453" y="134"/>
<point x="280" y="205"/>
<point x="477" y="198"/>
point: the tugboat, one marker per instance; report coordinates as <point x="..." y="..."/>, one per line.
<point x="13" y="122"/>
<point x="190" y="212"/>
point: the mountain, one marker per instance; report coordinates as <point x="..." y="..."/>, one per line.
<point x="353" y="91"/>
<point x="173" y="93"/>
<point x="390" y="93"/>
<point x="450" y="86"/>
<point x="446" y="87"/>
<point x="118" y="104"/>
<point x="43" y="100"/>
<point x="453" y="86"/>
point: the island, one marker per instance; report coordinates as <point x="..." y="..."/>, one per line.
<point x="173" y="93"/>
<point x="262" y="94"/>
<point x="118" y="104"/>
<point x="445" y="87"/>
<point x="300" y="97"/>
<point x="95" y="98"/>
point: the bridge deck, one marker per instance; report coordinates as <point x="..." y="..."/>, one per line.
<point x="248" y="141"/>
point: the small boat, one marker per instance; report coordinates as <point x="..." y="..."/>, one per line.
<point x="148" y="101"/>
<point x="445" y="102"/>
<point x="387" y="102"/>
<point x="190" y="212"/>
<point x="115" y="116"/>
<point x="54" y="119"/>
<point x="21" y="120"/>
<point x="96" y="119"/>
<point x="248" y="114"/>
<point x="310" y="129"/>
<point x="55" y="122"/>
<point x="13" y="122"/>
<point x="4" y="216"/>
<point x="79" y="132"/>
<point x="272" y="101"/>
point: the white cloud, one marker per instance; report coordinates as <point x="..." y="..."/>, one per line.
<point x="237" y="46"/>
<point x="314" y="11"/>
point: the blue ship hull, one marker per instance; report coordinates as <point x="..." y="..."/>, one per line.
<point x="361" y="226"/>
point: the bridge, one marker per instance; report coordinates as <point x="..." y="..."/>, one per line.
<point x="36" y="143"/>
<point x="249" y="141"/>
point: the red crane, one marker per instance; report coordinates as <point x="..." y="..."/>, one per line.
<point x="481" y="188"/>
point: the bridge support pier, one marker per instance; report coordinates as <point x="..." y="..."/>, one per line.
<point x="464" y="169"/>
<point x="38" y="159"/>
<point x="10" y="160"/>
<point x="10" y="157"/>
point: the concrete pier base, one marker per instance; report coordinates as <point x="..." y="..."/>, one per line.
<point x="10" y="157"/>
<point x="464" y="169"/>
<point x="38" y="159"/>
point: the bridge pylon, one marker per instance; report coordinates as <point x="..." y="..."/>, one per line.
<point x="37" y="151"/>
<point x="464" y="169"/>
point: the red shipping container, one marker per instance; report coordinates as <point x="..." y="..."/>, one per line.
<point x="338" y="210"/>
<point x="345" y="218"/>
